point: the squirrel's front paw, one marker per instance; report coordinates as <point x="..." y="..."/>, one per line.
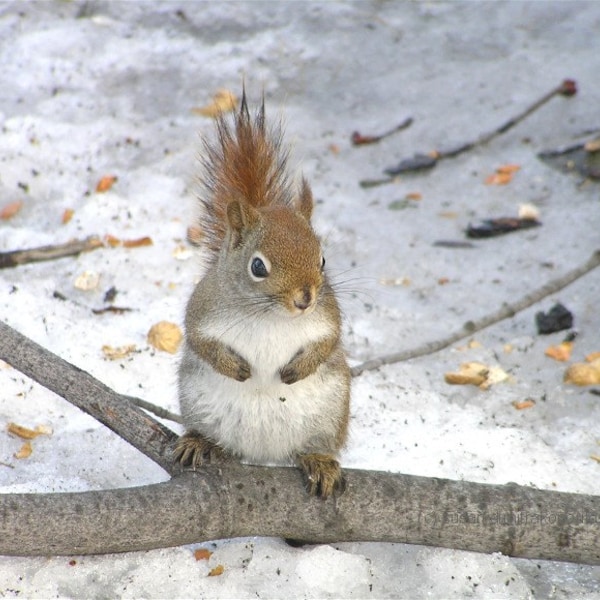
<point x="194" y="450"/>
<point x="298" y="368"/>
<point x="235" y="366"/>
<point x="323" y="474"/>
<point x="243" y="371"/>
<point x="289" y="374"/>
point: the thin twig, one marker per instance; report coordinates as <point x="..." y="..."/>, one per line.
<point x="14" y="258"/>
<point x="158" y="411"/>
<point x="421" y="162"/>
<point x="358" y="139"/>
<point x="470" y="327"/>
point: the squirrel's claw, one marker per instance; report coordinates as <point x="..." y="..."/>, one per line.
<point x="322" y="473"/>
<point x="194" y="450"/>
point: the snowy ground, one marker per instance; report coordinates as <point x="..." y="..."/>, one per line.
<point x="89" y="89"/>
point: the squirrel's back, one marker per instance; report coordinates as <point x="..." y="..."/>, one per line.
<point x="246" y="162"/>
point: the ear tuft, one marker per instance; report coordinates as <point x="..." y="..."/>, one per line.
<point x="240" y="217"/>
<point x="305" y="200"/>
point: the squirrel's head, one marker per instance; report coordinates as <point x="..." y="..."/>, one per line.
<point x="277" y="254"/>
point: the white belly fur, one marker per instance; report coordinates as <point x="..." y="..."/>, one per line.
<point x="262" y="419"/>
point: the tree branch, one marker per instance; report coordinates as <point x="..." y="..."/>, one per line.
<point x="14" y="258"/>
<point x="470" y="327"/>
<point x="90" y="395"/>
<point x="238" y="501"/>
<point x="235" y="500"/>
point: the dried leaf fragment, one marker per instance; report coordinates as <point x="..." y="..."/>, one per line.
<point x="593" y="357"/>
<point x="218" y="570"/>
<point x="114" y="242"/>
<point x="223" y="101"/>
<point x="106" y="183"/>
<point x="414" y="196"/>
<point x="143" y="241"/>
<point x="523" y="404"/>
<point x="111" y="240"/>
<point x="165" y="336"/>
<point x="8" y="211"/>
<point x="28" y="434"/>
<point x="475" y="373"/>
<point x="202" y="554"/>
<point x="503" y="175"/>
<point x="561" y="352"/>
<point x="67" y="216"/>
<point x="116" y="353"/>
<point x="583" y="373"/>
<point x="25" y="451"/>
<point x="472" y="373"/>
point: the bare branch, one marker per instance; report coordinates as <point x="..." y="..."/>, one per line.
<point x="90" y="395"/>
<point x="14" y="258"/>
<point x="470" y="327"/>
<point x="237" y="501"/>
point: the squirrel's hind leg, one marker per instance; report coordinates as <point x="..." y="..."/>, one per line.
<point x="323" y="474"/>
<point x="193" y="449"/>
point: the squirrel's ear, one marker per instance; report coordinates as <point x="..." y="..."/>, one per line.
<point x="305" y="200"/>
<point x="240" y="217"/>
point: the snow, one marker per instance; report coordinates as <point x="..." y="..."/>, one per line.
<point x="107" y="88"/>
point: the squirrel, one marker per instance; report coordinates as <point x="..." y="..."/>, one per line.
<point x="263" y="375"/>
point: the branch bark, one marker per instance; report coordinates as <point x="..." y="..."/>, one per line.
<point x="238" y="501"/>
<point x="90" y="395"/>
<point x="235" y="500"/>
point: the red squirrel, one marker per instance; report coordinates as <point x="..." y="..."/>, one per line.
<point x="263" y="375"/>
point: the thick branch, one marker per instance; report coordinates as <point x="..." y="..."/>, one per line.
<point x="236" y="501"/>
<point x="90" y="395"/>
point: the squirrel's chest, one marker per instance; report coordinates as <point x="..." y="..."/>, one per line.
<point x="270" y="346"/>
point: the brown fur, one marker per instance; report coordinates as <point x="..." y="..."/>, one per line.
<point x="246" y="163"/>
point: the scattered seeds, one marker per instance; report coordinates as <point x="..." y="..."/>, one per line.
<point x="474" y="373"/>
<point x="116" y="353"/>
<point x="165" y="336"/>
<point x="529" y="212"/>
<point x="223" y="101"/>
<point x="87" y="281"/>
<point x="560" y="352"/>
<point x="25" y="451"/>
<point x="583" y="373"/>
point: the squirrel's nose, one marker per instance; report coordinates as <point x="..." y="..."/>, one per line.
<point x="304" y="298"/>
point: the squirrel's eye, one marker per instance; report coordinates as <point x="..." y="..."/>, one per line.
<point x="322" y="263"/>
<point x="259" y="267"/>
